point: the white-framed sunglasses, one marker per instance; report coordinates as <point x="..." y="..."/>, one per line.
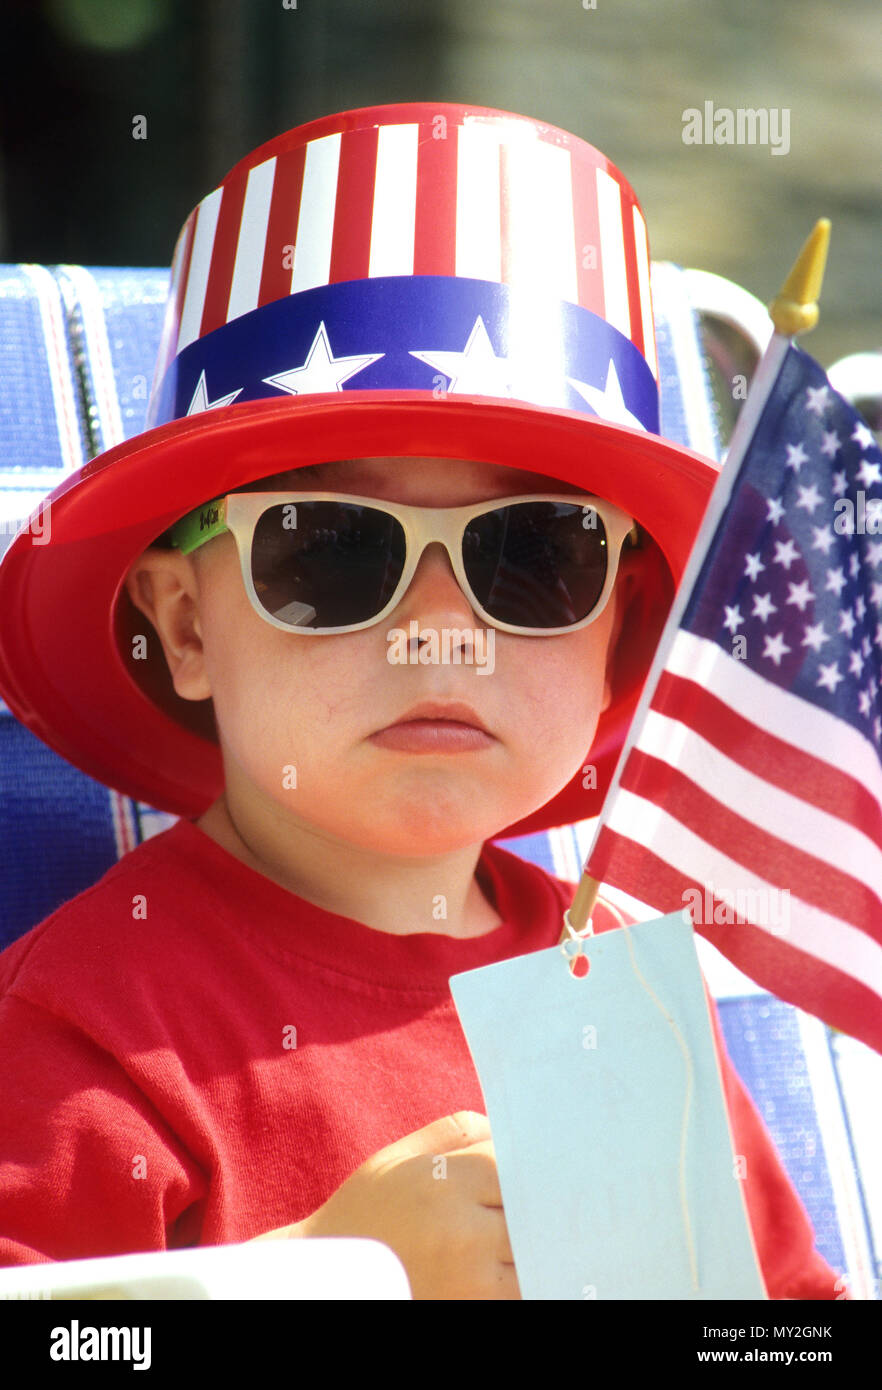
<point x="322" y="563"/>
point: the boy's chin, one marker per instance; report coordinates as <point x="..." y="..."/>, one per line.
<point x="433" y="830"/>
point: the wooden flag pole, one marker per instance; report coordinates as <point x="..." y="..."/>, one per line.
<point x="793" y="310"/>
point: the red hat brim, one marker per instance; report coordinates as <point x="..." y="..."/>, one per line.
<point x="66" y="664"/>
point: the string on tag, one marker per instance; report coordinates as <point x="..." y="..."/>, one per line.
<point x="690" y="1084"/>
<point x="575" y="959"/>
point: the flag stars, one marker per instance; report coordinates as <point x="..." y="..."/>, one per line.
<point x="865" y="704"/>
<point x="817" y="399"/>
<point x="775" y="648"/>
<point x="839" y="484"/>
<point x="809" y="498"/>
<point x="823" y="539"/>
<point x="800" y="595"/>
<point x="785" y="553"/>
<point x="856" y="663"/>
<point x="862" y="436"/>
<point x="877" y="728"/>
<point x="829" y="677"/>
<point x="869" y="473"/>
<point x="874" y="553"/>
<point x="733" y="619"/>
<point x="854" y="565"/>
<point x="847" y="622"/>
<point x="753" y="566"/>
<point x="830" y="446"/>
<point x="860" y="608"/>
<point x="763" y="607"/>
<point x="776" y="509"/>
<point x="836" y="582"/>
<point x="796" y="456"/>
<point x="815" y="637"/>
<point x="876" y="594"/>
<point x="878" y="638"/>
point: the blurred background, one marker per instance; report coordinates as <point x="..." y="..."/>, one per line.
<point x="214" y="78"/>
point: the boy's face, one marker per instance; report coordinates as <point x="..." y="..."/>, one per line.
<point x="320" y="705"/>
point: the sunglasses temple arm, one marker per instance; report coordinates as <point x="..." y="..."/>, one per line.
<point x="199" y="526"/>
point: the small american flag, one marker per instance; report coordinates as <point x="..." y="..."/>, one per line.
<point x="750" y="789"/>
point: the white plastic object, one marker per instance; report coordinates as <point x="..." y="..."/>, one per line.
<point x="319" y="1269"/>
<point x="723" y="299"/>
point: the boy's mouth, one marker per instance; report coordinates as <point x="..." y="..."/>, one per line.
<point x="435" y="726"/>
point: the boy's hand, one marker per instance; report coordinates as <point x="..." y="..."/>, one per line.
<point x="433" y="1197"/>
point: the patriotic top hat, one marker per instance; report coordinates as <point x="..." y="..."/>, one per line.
<point x="419" y="279"/>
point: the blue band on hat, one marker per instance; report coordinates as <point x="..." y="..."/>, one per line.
<point x="416" y="333"/>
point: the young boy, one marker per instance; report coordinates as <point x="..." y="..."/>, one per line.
<point x="355" y="637"/>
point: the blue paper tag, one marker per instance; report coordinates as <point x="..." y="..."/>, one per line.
<point x="609" y="1123"/>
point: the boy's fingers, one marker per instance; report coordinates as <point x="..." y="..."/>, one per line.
<point x="443" y="1136"/>
<point x="475" y="1168"/>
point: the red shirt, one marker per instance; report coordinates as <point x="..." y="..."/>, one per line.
<point x="192" y="1055"/>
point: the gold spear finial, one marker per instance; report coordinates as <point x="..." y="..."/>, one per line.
<point x="795" y="308"/>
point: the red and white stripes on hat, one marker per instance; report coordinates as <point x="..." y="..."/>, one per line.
<point x="408" y="190"/>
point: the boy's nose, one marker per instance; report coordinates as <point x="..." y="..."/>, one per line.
<point x="434" y="597"/>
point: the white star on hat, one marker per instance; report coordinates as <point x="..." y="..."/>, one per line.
<point x="321" y="371"/>
<point x="200" y="399"/>
<point x="609" y="403"/>
<point x="476" y="371"/>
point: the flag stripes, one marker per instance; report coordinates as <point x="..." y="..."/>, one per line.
<point x="693" y="739"/>
<point x="835" y="993"/>
<point x="802" y="726"/>
<point x="715" y="823"/>
<point x="781" y="764"/>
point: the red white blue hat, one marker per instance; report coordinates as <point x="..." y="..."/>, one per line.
<point x="418" y="279"/>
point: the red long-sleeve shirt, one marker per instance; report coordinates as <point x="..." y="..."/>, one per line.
<point x="192" y="1055"/>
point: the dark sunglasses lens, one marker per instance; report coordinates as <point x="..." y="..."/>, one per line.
<point x="537" y="564"/>
<point x="326" y="564"/>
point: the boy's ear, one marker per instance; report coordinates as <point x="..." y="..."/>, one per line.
<point x="162" y="585"/>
